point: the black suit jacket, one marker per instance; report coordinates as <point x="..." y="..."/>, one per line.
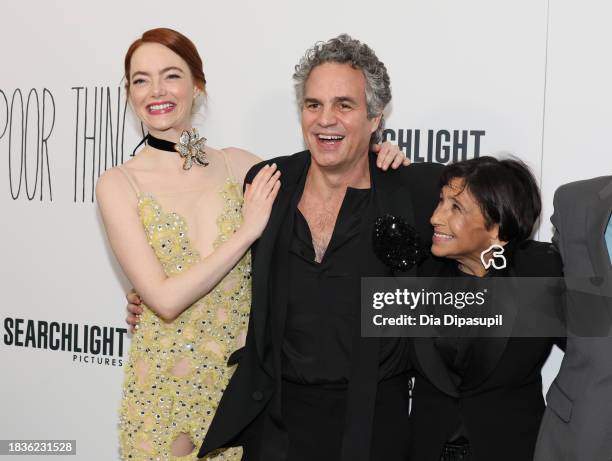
<point x="501" y="405"/>
<point x="411" y="192"/>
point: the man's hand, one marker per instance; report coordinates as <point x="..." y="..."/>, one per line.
<point x="389" y="155"/>
<point x="134" y="310"/>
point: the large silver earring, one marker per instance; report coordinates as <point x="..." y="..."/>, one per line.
<point x="498" y="260"/>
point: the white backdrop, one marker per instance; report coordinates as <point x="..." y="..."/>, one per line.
<point x="526" y="77"/>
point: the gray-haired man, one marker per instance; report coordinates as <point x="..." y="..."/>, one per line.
<point x="307" y="385"/>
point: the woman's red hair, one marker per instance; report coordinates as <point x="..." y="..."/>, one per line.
<point x="176" y="42"/>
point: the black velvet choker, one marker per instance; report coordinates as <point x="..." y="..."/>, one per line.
<point x="190" y="146"/>
<point x="157" y="143"/>
<point x="160" y="144"/>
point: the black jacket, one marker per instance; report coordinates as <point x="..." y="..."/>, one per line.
<point x="501" y="405"/>
<point x="410" y="192"/>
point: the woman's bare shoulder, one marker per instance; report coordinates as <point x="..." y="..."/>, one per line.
<point x="240" y="160"/>
<point x="132" y="168"/>
<point x="116" y="183"/>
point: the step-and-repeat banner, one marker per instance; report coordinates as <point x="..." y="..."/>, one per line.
<point x="530" y="78"/>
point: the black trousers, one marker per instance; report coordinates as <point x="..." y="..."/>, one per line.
<point x="314" y="419"/>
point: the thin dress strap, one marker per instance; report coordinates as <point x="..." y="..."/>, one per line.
<point x="130" y="179"/>
<point x="230" y="173"/>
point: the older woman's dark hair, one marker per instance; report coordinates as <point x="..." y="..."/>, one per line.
<point x="506" y="191"/>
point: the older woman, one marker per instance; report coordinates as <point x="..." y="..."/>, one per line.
<point x="481" y="399"/>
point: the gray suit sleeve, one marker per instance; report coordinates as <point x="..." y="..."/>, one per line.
<point x="556" y="220"/>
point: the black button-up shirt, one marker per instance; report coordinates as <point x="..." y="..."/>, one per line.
<point x="323" y="309"/>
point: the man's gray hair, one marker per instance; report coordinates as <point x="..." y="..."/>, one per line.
<point x="344" y="49"/>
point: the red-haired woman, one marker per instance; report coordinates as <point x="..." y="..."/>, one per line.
<point x="180" y="229"/>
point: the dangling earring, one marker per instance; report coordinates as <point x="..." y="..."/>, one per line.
<point x="498" y="260"/>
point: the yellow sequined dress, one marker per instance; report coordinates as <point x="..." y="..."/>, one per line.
<point x="177" y="371"/>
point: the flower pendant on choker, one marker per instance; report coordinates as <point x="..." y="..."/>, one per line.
<point x="191" y="148"/>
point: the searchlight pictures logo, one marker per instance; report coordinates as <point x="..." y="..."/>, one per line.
<point x="88" y="344"/>
<point x="441" y="146"/>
